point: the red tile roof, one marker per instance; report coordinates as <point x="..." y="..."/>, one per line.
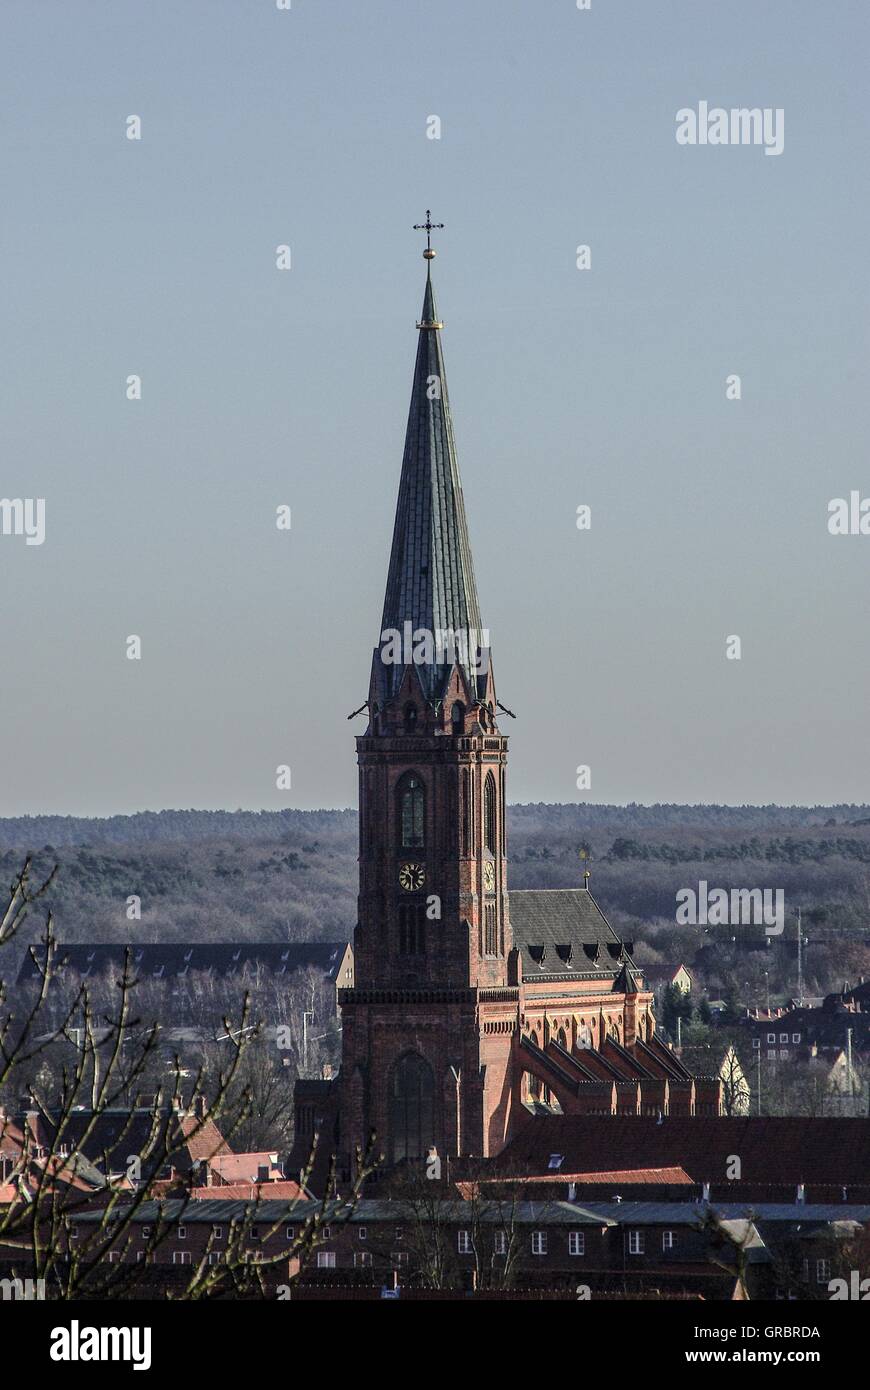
<point x="285" y="1190"/>
<point x="231" y="1168"/>
<point x="207" y="1142"/>
<point x="626" y="1176"/>
<point x="771" y="1149"/>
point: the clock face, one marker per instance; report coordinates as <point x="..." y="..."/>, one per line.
<point x="488" y="875"/>
<point x="412" y="877"/>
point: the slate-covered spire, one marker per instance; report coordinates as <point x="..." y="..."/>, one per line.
<point x="430" y="583"/>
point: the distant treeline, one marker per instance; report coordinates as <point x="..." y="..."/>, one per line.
<point x="789" y="851"/>
<point x="27" y="832"/>
<point x="292" y="875"/>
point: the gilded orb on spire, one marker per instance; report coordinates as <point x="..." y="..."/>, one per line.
<point x="428" y="227"/>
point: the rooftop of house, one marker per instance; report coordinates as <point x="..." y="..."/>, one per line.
<point x="173" y="959"/>
<point x="497" y="1211"/>
<point x="827" y="1026"/>
<point x="624" y="1177"/>
<point x="664" y="974"/>
<point x="276" y="1189"/>
<point x="771" y="1149"/>
<point x="245" y="1167"/>
<point x="106" y="1138"/>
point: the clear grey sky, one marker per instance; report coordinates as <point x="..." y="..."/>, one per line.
<point x="261" y="387"/>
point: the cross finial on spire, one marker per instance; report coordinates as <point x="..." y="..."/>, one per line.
<point x="428" y="227"/>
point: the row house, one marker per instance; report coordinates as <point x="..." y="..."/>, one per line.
<point x="593" y="1248"/>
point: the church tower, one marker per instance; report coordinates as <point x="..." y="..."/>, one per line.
<point x="433" y="940"/>
<point x="473" y="1009"/>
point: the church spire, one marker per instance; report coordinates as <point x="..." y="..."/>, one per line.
<point x="430" y="583"/>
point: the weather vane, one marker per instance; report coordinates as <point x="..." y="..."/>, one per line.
<point x="428" y="227"/>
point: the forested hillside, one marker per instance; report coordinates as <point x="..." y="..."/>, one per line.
<point x="291" y="875"/>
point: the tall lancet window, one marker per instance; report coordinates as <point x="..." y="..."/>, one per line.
<point x="489" y="826"/>
<point x="412" y="1108"/>
<point x="412" y="812"/>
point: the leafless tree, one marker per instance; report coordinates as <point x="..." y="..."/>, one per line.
<point x="93" y="1060"/>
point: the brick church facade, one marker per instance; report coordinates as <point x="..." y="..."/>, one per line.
<point x="473" y="1007"/>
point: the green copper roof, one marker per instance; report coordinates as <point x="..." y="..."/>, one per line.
<point x="430" y="583"/>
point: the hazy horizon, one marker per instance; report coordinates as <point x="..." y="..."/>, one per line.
<point x="820" y="807"/>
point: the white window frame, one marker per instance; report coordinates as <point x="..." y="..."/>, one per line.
<point x="326" y="1259"/>
<point x="576" y="1242"/>
<point x="539" y="1242"/>
<point x="499" y="1243"/>
<point x="668" y="1240"/>
<point x="463" y="1242"/>
<point x="636" y="1243"/>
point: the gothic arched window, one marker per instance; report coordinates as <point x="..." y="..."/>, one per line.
<point x="412" y="1108"/>
<point x="412" y="810"/>
<point x="410" y="719"/>
<point x="489" y="813"/>
<point x="457" y="717"/>
<point x="490" y="930"/>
